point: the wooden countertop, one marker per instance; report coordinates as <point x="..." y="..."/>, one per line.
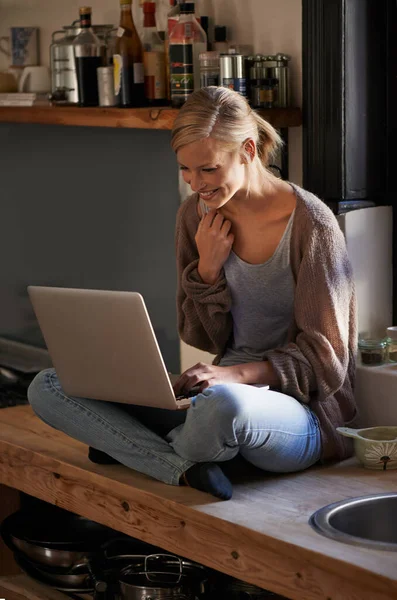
<point x="261" y="536"/>
<point x="132" y="118"/>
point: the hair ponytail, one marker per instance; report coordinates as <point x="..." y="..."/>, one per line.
<point x="268" y="142"/>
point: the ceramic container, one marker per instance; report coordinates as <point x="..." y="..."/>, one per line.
<point x="375" y="447"/>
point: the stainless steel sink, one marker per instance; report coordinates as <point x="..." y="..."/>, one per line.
<point x="367" y="521"/>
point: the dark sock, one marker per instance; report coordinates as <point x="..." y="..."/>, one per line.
<point x="101" y="458"/>
<point x="208" y="477"/>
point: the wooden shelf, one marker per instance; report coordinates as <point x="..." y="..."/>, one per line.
<point x="23" y="587"/>
<point x="136" y="118"/>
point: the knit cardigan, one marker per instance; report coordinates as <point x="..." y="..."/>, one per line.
<point x="317" y="364"/>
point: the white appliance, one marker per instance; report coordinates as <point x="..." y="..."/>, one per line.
<point x="369" y="235"/>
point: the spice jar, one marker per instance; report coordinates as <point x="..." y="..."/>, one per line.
<point x="392" y="343"/>
<point x="268" y="87"/>
<point x="373" y="351"/>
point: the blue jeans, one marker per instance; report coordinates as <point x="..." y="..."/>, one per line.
<point x="270" y="430"/>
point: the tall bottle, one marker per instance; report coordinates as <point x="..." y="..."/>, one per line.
<point x="153" y="57"/>
<point x="128" y="61"/>
<point x="221" y="44"/>
<point x="89" y="53"/>
<point x="173" y="15"/>
<point x="172" y="19"/>
<point x="186" y="41"/>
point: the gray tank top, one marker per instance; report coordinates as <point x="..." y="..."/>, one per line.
<point x="262" y="303"/>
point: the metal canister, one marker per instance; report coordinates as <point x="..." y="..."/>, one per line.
<point x="226" y="71"/>
<point x="106" y="86"/>
<point x="277" y="68"/>
<point x="232" y="72"/>
<point x="238" y="66"/>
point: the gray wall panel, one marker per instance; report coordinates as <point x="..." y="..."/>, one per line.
<point x="87" y="207"/>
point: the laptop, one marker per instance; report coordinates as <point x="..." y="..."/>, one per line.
<point x="103" y="346"/>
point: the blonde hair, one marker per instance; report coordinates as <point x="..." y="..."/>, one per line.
<point x="225" y="115"/>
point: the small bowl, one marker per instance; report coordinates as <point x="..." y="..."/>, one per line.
<point x="375" y="447"/>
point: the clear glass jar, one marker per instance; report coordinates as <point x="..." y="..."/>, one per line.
<point x="374" y="351"/>
<point x="209" y="68"/>
<point x="392" y="344"/>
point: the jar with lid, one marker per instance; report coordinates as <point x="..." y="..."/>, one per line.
<point x="374" y="351"/>
<point x="392" y="343"/>
<point x="277" y="66"/>
<point x="209" y="68"/>
<point x="268" y="88"/>
<point x="256" y="74"/>
<point x="255" y="88"/>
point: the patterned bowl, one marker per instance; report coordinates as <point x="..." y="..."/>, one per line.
<point x="375" y="447"/>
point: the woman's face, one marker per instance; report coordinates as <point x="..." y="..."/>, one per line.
<point x="217" y="175"/>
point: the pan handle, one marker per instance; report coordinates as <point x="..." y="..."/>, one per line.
<point x="100" y="586"/>
<point x="159" y="557"/>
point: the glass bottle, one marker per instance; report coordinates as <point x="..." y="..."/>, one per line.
<point x="186" y="41"/>
<point x="172" y="19"/>
<point x="89" y="54"/>
<point x="153" y="57"/>
<point x="220" y="44"/>
<point x="128" y="61"/>
<point x="173" y="15"/>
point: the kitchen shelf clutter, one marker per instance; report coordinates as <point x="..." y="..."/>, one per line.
<point x="130" y="118"/>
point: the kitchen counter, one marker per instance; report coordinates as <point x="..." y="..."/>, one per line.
<point x="261" y="536"/>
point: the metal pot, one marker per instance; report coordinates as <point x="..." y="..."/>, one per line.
<point x="162" y="577"/>
<point x="77" y="577"/>
<point x="37" y="573"/>
<point x="51" y="557"/>
<point x="57" y="542"/>
<point x="140" y="589"/>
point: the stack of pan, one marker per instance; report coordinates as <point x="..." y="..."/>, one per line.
<point x="76" y="555"/>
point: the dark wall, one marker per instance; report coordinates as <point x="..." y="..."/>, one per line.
<point x="344" y="80"/>
<point x="87" y="207"/>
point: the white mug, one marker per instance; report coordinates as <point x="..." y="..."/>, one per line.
<point x="35" y="79"/>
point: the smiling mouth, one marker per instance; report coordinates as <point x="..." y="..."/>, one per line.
<point x="208" y="195"/>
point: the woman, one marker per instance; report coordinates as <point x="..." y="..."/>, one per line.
<point x="264" y="282"/>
